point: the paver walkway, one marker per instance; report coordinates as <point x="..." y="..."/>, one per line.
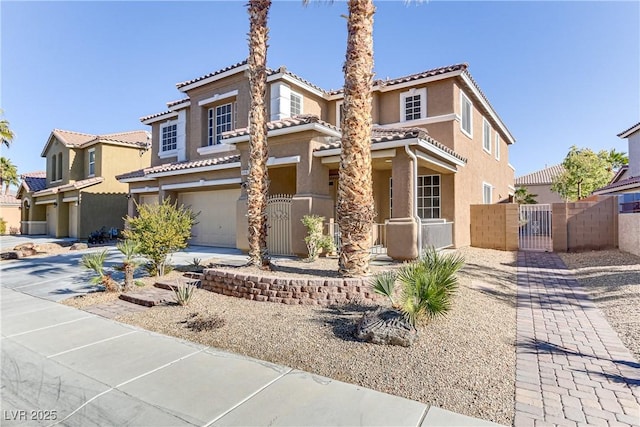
<point x="571" y="367"/>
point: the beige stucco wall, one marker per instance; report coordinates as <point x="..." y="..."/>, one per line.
<point x="629" y="233"/>
<point x="11" y="214"/>
<point x="113" y="160"/>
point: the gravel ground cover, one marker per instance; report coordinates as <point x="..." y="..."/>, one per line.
<point x="464" y="362"/>
<point x="612" y="279"/>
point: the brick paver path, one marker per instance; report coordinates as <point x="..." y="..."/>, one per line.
<point x="571" y="367"/>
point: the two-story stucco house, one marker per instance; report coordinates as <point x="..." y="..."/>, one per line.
<point x="78" y="193"/>
<point x="438" y="146"/>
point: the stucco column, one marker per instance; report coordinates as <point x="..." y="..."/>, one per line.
<point x="402" y="230"/>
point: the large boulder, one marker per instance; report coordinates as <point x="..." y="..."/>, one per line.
<point x="78" y="246"/>
<point x="24" y="246"/>
<point x="386" y="326"/>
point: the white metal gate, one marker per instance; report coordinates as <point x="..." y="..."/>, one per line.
<point x="535" y="228"/>
<point x="279" y="221"/>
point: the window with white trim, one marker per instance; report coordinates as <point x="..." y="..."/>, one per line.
<point x="429" y="196"/>
<point x="466" y="115"/>
<point x="92" y="162"/>
<point x="169" y="137"/>
<point x="486" y="135"/>
<point x="296" y="103"/>
<point x="339" y="113"/>
<point x="497" y="146"/>
<point x="487" y="193"/>
<point x="413" y="105"/>
<point x="220" y="119"/>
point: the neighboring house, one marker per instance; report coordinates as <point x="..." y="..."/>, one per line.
<point x="10" y="213"/>
<point x="627" y="179"/>
<point x="78" y="193"/>
<point x="438" y="146"/>
<point x="539" y="183"/>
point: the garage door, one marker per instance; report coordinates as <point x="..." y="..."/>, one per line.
<point x="149" y="199"/>
<point x="217" y="220"/>
<point x="52" y="220"/>
<point x="73" y="220"/>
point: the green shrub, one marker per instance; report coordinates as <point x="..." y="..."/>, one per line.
<point x="427" y="285"/>
<point x="95" y="262"/>
<point x="3" y="226"/>
<point x="183" y="292"/>
<point x="315" y="240"/>
<point x="161" y="229"/>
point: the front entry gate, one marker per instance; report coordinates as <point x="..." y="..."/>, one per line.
<point x="535" y="228"/>
<point x="279" y="221"/>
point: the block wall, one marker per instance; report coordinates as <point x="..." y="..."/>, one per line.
<point x="495" y="226"/>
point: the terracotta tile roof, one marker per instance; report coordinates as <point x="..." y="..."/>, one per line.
<point x="637" y="125"/>
<point x="34" y="181"/>
<point x="153" y="116"/>
<point x="9" y="199"/>
<point x="302" y="119"/>
<point x="138" y="138"/>
<point x="72" y="186"/>
<point x="284" y="70"/>
<point x="634" y="180"/>
<point x="379" y="135"/>
<point x="215" y="73"/>
<point x="544" y="176"/>
<point x="178" y="166"/>
<point x="177" y="101"/>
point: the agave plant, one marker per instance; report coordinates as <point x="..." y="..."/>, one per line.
<point x="130" y="249"/>
<point x="95" y="262"/>
<point x="183" y="292"/>
<point x="427" y="285"/>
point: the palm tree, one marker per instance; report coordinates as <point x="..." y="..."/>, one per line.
<point x="522" y="196"/>
<point x="5" y="132"/>
<point x="8" y="174"/>
<point x="616" y="159"/>
<point x="258" y="179"/>
<point x="130" y="249"/>
<point x="355" y="187"/>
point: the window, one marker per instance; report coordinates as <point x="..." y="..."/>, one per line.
<point x="296" y="103"/>
<point x="169" y="137"/>
<point x="466" y="120"/>
<point x="429" y="196"/>
<point x="54" y="160"/>
<point x="339" y="113"/>
<point x="497" y="146"/>
<point x="59" y="166"/>
<point x="221" y="119"/>
<point x="413" y="105"/>
<point x="92" y="162"/>
<point x="486" y="136"/>
<point x="487" y="193"/>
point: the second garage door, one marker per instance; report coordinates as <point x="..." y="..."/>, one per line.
<point x="217" y="220"/>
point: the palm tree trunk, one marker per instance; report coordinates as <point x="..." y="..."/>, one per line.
<point x="355" y="192"/>
<point x="258" y="179"/>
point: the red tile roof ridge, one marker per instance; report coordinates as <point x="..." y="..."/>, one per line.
<point x="214" y="73"/>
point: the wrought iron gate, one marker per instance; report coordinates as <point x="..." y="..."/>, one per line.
<point x="535" y="228"/>
<point x="279" y="221"/>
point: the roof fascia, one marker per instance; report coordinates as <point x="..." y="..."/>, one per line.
<point x="290" y="79"/>
<point x="214" y="78"/>
<point x="195" y="170"/>
<point x="631" y="131"/>
<point x="288" y="130"/>
<point x="136" y="179"/>
<point x="161" y="117"/>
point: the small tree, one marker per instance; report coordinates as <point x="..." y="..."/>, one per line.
<point x="95" y="262"/>
<point x="129" y="248"/>
<point x="522" y="196"/>
<point x="315" y="240"/>
<point x="161" y="229"/>
<point x="584" y="172"/>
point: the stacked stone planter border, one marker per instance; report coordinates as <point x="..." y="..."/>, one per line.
<point x="287" y="290"/>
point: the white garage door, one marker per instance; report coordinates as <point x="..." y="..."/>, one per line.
<point x="52" y="220"/>
<point x="217" y="220"/>
<point x="73" y="220"/>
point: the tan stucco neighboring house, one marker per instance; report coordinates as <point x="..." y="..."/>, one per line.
<point x="78" y="192"/>
<point x="10" y="213"/>
<point x="539" y="183"/>
<point x="438" y="146"/>
<point x="626" y="182"/>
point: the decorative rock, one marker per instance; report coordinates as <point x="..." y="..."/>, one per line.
<point x="24" y="246"/>
<point x="386" y="326"/>
<point x="78" y="247"/>
<point x="10" y="255"/>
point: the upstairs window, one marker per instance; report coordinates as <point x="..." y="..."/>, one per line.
<point x="466" y="115"/>
<point x="413" y="105"/>
<point x="296" y="103"/>
<point x="497" y="146"/>
<point x="92" y="162"/>
<point x="53" y="167"/>
<point x="339" y="113"/>
<point x="486" y="136"/>
<point x="169" y="137"/>
<point x="221" y="119"/>
<point x="487" y="193"/>
<point x="59" y="167"/>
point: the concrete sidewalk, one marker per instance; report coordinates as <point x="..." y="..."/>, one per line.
<point x="69" y="367"/>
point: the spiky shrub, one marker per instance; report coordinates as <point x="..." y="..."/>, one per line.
<point x="183" y="292"/>
<point x="161" y="229"/>
<point x="427" y="286"/>
<point x="130" y="249"/>
<point x="95" y="262"/>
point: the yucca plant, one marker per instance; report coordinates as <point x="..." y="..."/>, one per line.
<point x="183" y="292"/>
<point x="130" y="249"/>
<point x="95" y="262"/>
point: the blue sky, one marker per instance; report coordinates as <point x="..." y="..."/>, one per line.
<point x="557" y="73"/>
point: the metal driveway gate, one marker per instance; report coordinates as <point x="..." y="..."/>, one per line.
<point x="279" y="221"/>
<point x="535" y="228"/>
